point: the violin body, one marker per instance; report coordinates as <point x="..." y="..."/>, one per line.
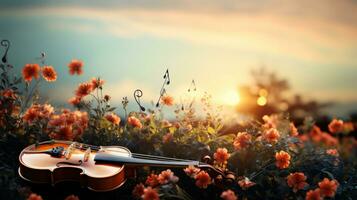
<point x="45" y="168"/>
<point x="99" y="168"/>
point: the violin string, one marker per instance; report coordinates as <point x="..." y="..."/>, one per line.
<point x="136" y="155"/>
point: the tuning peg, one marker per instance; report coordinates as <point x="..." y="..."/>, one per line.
<point x="207" y="159"/>
<point x="230" y="177"/>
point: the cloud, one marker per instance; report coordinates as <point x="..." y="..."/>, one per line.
<point x="308" y="31"/>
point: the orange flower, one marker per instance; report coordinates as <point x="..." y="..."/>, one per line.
<point x="229" y="195"/>
<point x="34" y="196"/>
<point x="335" y="126"/>
<point x="328" y="188"/>
<point x="191" y="171"/>
<point x="84" y="89"/>
<point x="113" y="118"/>
<point x="150" y="194"/>
<point x="168" y="137"/>
<point x="75" y="67"/>
<point x="315" y="133"/>
<point x="221" y="156"/>
<point x="97" y="83"/>
<point x="202" y="179"/>
<point x="8" y="94"/>
<point x="167" y="100"/>
<point x="38" y="112"/>
<point x="332" y="152"/>
<point x="68" y="125"/>
<point x="49" y="73"/>
<point x="297" y="181"/>
<point x="152" y="180"/>
<point x="245" y="183"/>
<point x="242" y="140"/>
<point x="293" y="130"/>
<point x="134" y="122"/>
<point x="74" y="100"/>
<point x="282" y="159"/>
<point x="270" y="121"/>
<point x="138" y="191"/>
<point x="328" y="139"/>
<point x="30" y="71"/>
<point x="71" y="197"/>
<point x="166" y="177"/>
<point x="313" y="195"/>
<point x="271" y="135"/>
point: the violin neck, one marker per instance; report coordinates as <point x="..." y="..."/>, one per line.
<point x="133" y="161"/>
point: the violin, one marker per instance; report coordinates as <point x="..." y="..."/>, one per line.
<point x="99" y="168"/>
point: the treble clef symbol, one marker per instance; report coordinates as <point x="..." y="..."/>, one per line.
<point x="137" y="94"/>
<point x="6" y="44"/>
<point x="163" y="90"/>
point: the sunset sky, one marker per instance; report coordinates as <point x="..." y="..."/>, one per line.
<point x="130" y="44"/>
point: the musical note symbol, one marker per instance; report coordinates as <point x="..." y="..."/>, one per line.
<point x="137" y="94"/>
<point x="163" y="90"/>
<point x="6" y="44"/>
<point x="42" y="58"/>
<point x="193" y="86"/>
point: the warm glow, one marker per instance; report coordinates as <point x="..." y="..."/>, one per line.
<point x="262" y="101"/>
<point x="230" y="98"/>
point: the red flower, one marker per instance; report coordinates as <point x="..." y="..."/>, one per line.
<point x="30" y="71"/>
<point x="297" y="181"/>
<point x="335" y="126"/>
<point x="313" y="195"/>
<point x="242" y="140"/>
<point x="75" y="67"/>
<point x="202" y="179"/>
<point x="282" y="159"/>
<point x="84" y="89"/>
<point x="272" y="135"/>
<point x="167" y="100"/>
<point x="49" y="73"/>
<point x="150" y="194"/>
<point x="229" y="195"/>
<point x="152" y="180"/>
<point x="221" y="156"/>
<point x="166" y="177"/>
<point x="191" y="171"/>
<point x="138" y="191"/>
<point x="34" y="196"/>
<point x="74" y="100"/>
<point x="71" y="197"/>
<point x="245" y="183"/>
<point x="97" y="83"/>
<point x="134" y="122"/>
<point x="293" y="130"/>
<point x="328" y="188"/>
<point x="113" y="118"/>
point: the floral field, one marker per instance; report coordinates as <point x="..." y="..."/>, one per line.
<point x="271" y="157"/>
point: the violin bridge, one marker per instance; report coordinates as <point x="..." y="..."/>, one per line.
<point x="87" y="154"/>
<point x="70" y="150"/>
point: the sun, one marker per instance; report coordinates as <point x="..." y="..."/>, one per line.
<point x="230" y="97"/>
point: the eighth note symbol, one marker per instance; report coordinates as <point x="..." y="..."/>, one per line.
<point x="163" y="90"/>
<point x="193" y="86"/>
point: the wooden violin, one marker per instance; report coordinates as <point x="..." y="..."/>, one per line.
<point x="99" y="168"/>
